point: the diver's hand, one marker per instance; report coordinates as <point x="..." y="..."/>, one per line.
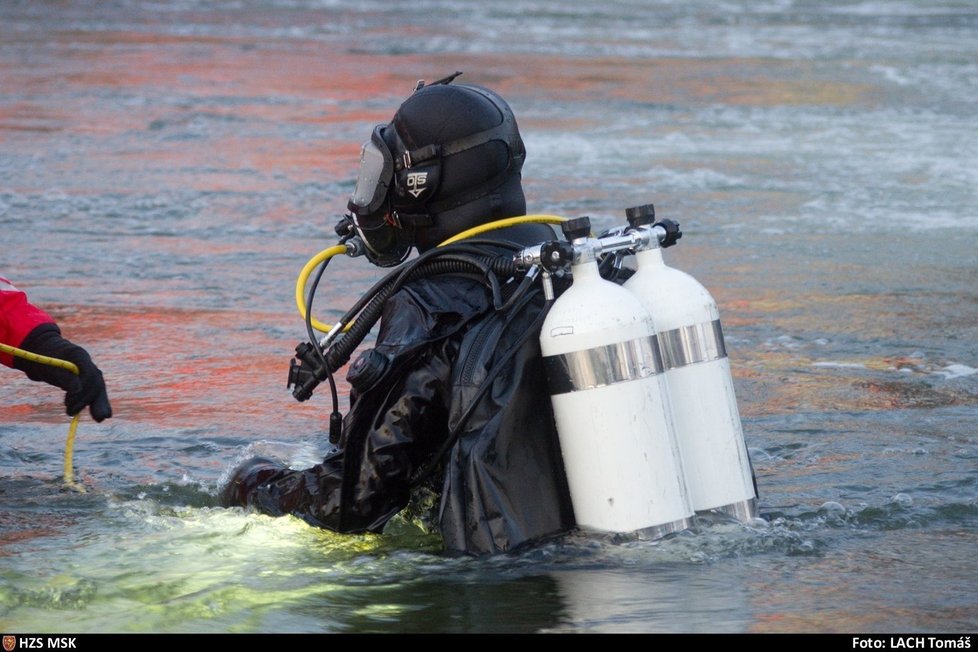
<point x="87" y="389"/>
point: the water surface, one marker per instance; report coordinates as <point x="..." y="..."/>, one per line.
<point x="167" y="168"/>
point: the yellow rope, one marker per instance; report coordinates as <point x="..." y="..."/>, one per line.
<point x="69" y="469"/>
<point x="69" y="472"/>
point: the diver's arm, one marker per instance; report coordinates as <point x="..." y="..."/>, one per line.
<point x="397" y="419"/>
<point x="391" y="431"/>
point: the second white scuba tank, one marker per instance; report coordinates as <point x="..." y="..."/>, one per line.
<point x="605" y="380"/>
<point x="698" y="381"/>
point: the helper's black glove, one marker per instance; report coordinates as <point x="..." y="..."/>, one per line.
<point x="85" y="389"/>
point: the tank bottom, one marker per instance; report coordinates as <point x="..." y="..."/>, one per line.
<point x="659" y="531"/>
<point x="744" y="510"/>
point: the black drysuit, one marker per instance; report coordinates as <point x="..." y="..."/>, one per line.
<point x="501" y="476"/>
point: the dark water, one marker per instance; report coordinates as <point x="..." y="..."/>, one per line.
<point x="166" y="168"/>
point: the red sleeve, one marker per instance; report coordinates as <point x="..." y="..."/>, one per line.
<point x="18" y="317"/>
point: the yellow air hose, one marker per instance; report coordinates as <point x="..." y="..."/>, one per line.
<point x="69" y="471"/>
<point x="300" y="284"/>
<point x="326" y="254"/>
<point x="502" y="224"/>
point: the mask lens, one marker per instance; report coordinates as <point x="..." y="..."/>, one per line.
<point x="373" y="180"/>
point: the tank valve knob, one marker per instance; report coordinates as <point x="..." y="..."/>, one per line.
<point x="672" y="232"/>
<point x="575" y="228"/>
<point x="555" y="255"/>
<point x="640" y="215"/>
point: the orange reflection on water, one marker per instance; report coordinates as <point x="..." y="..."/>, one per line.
<point x="741" y="81"/>
<point x="191" y="368"/>
<point x="799" y="370"/>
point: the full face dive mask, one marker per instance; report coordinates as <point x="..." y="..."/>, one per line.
<point x="370" y="205"/>
<point x="393" y="187"/>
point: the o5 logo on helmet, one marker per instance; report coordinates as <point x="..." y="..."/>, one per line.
<point x="416" y="183"/>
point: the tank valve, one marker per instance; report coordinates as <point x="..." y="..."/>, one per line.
<point x="644" y="215"/>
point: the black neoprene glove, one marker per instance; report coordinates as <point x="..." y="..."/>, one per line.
<point x="85" y="389"/>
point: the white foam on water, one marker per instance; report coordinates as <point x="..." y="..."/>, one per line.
<point x="957" y="371"/>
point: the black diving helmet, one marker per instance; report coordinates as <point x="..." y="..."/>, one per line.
<point x="450" y="159"/>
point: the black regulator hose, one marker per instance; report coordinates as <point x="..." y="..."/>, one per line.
<point x="447" y="263"/>
<point x="335" y="418"/>
<point x="455" y="259"/>
<point x="393" y="275"/>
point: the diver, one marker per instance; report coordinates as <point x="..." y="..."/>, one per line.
<point x="450" y="417"/>
<point x="27" y="327"/>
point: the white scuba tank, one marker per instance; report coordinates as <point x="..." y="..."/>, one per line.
<point x="698" y="381"/>
<point x="605" y="381"/>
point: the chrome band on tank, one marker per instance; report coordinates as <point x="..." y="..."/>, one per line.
<point x="691" y="344"/>
<point x="603" y="365"/>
